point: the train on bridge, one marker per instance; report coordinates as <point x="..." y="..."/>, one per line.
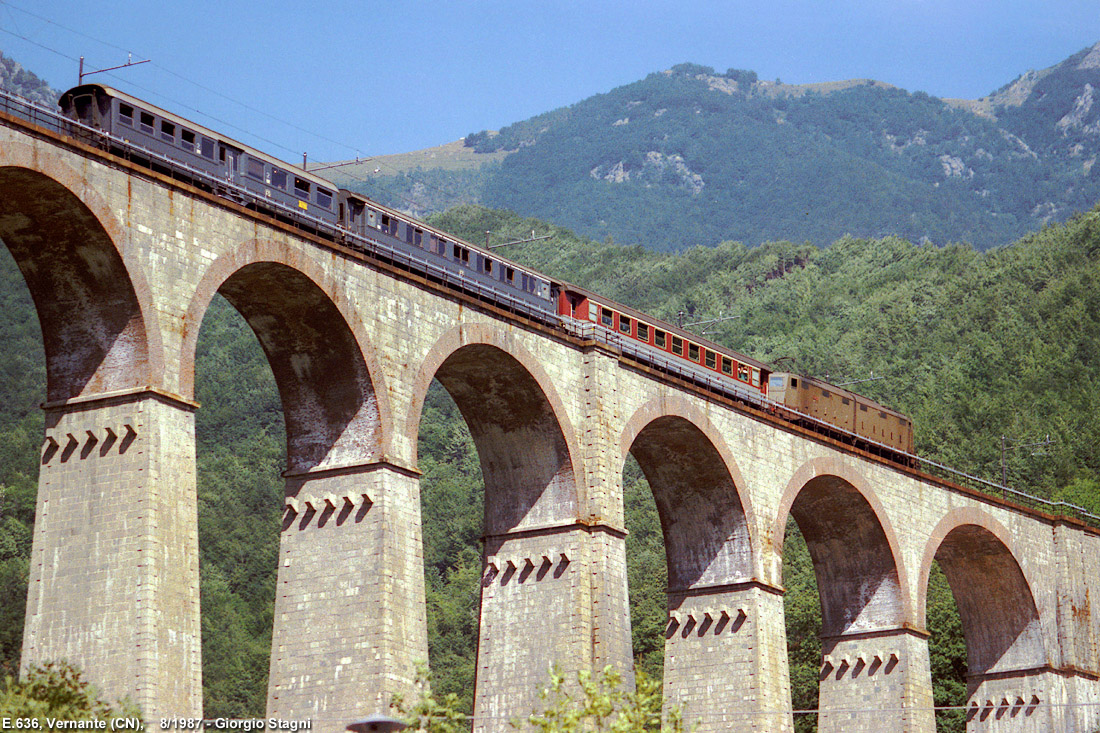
<point x="158" y="139"/>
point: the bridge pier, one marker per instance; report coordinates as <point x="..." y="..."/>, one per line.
<point x="876" y="681"/>
<point x="1016" y="701"/>
<point x="537" y="613"/>
<point x="114" y="577"/>
<point x="350" y="625"/>
<point x="725" y="658"/>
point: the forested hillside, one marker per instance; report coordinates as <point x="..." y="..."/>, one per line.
<point x="692" y="156"/>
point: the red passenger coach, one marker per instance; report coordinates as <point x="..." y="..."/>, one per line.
<point x="582" y="305"/>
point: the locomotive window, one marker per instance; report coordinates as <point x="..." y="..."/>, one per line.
<point x="126" y="114"/>
<point x="825" y="393"/>
<point x="845" y="401"/>
<point x="882" y="415"/>
<point x="712" y="359"/>
<point x="255" y="168"/>
<point x="794" y="383"/>
<point x="207" y="148"/>
<point x="742" y="372"/>
<point x="187" y="140"/>
<point x="624" y="324"/>
<point x="677" y="345"/>
<point x="278" y="178"/>
<point x="660" y="339"/>
<point x="147" y="121"/>
<point x="301" y="188"/>
<point x="607" y="317"/>
<point x="863" y="408"/>
<point x="643" y="331"/>
<point x="324" y="198"/>
<point x="693" y="351"/>
<point x="167" y="131"/>
<point x="727" y="368"/>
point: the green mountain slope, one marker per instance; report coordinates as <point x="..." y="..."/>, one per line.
<point x="690" y="156"/>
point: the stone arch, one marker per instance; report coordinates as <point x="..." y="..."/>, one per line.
<point x="855" y="550"/>
<point x="94" y="305"/>
<point x="705" y="518"/>
<point x="519" y="424"/>
<point x="994" y="596"/>
<point x="329" y="384"/>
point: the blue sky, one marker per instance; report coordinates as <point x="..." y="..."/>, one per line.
<point x="342" y="78"/>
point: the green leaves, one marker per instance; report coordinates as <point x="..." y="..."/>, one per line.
<point x="56" y="691"/>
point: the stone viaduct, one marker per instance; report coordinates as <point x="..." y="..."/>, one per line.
<point x="122" y="263"/>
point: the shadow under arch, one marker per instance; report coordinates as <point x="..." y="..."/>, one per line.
<point x="853" y="547"/>
<point x="517" y="422"/>
<point x="1000" y="619"/>
<point x="330" y="402"/>
<point x="697" y="487"/>
<point x="91" y="305"/>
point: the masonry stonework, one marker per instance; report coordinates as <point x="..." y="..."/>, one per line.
<point x="123" y="263"/>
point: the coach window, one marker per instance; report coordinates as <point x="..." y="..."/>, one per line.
<point x="624" y="325"/>
<point x="742" y="372"/>
<point x="255" y="169"/>
<point x="301" y="188"/>
<point x="462" y="254"/>
<point x="607" y="317"/>
<point x="126" y="114"/>
<point x="418" y="237"/>
<point x="712" y="359"/>
<point x="509" y="274"/>
<point x="488" y="266"/>
<point x="324" y="198"/>
<point x="756" y="377"/>
<point x="278" y="178"/>
<point x="187" y="140"/>
<point x="693" y="351"/>
<point x="167" y="131"/>
<point x="727" y="368"/>
<point x="677" y="346"/>
<point x="643" y="331"/>
<point x="660" y="339"/>
<point x="147" y="121"/>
